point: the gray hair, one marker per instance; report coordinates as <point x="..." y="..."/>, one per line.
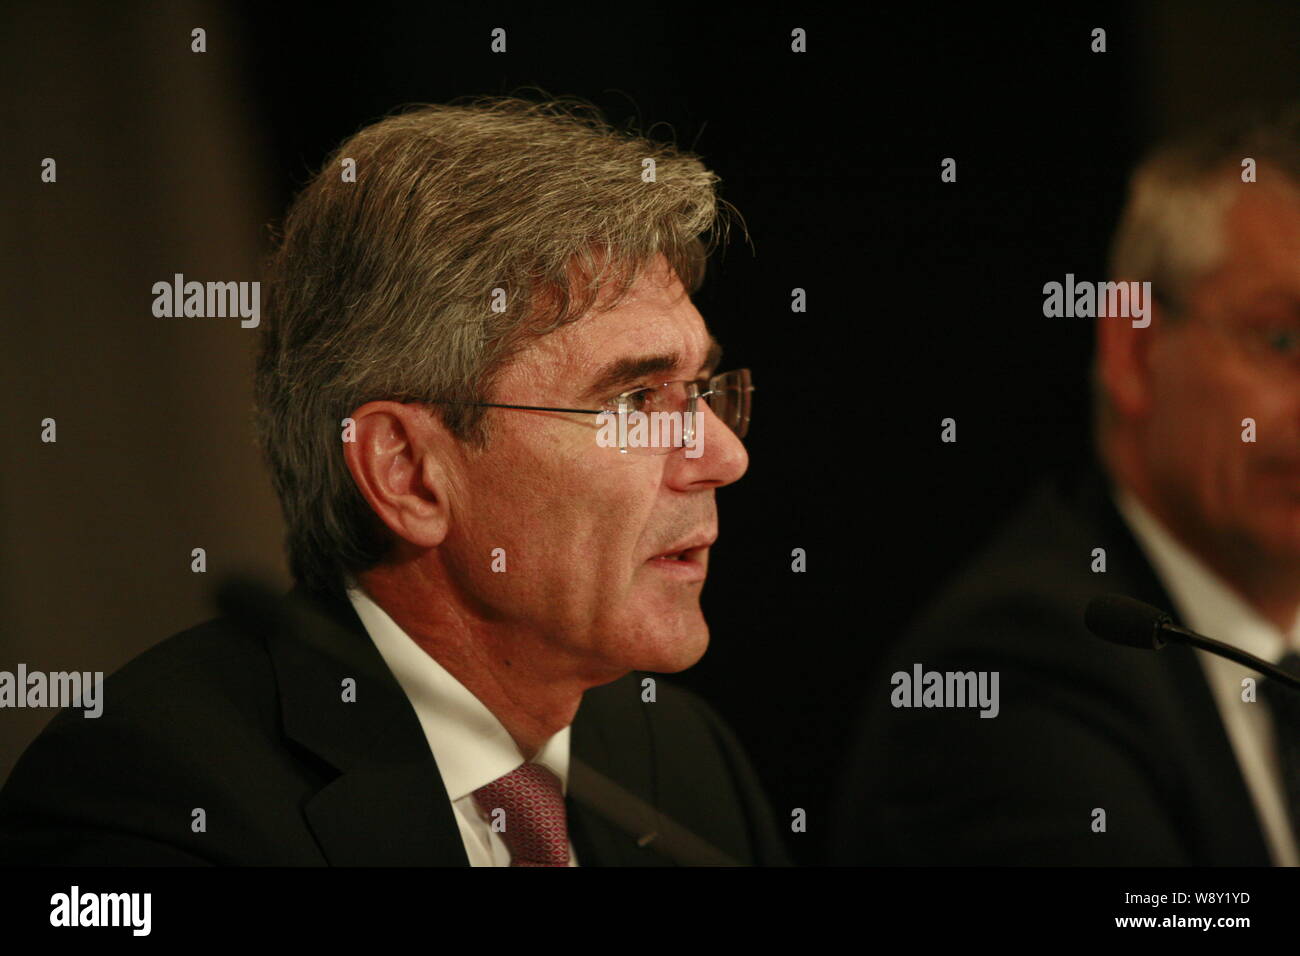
<point x="1171" y="231"/>
<point x="383" y="288"/>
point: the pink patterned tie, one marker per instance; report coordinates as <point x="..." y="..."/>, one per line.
<point x="533" y="801"/>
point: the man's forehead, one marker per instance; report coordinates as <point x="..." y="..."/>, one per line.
<point x="1269" y="209"/>
<point x="647" y="325"/>
<point x="650" y="332"/>
<point x="1263" y="232"/>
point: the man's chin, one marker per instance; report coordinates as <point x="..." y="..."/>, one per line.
<point x="670" y="653"/>
<point x="686" y="658"/>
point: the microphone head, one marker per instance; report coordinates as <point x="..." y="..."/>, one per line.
<point x="1123" y="620"/>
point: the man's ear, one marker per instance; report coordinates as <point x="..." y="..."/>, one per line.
<point x="1123" y="360"/>
<point x="395" y="456"/>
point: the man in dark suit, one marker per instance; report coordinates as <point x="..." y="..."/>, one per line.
<point x="470" y="306"/>
<point x="241" y="724"/>
<point x="1094" y="753"/>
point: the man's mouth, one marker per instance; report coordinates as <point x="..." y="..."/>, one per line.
<point x="687" y="554"/>
<point x="687" y="563"/>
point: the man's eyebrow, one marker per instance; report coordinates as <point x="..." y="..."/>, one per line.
<point x="626" y="371"/>
<point x="713" y="358"/>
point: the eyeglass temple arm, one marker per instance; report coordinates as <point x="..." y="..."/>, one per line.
<point x="545" y="408"/>
<point x="530" y="408"/>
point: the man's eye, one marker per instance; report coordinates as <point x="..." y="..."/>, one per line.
<point x="1284" y="341"/>
<point x="635" y="401"/>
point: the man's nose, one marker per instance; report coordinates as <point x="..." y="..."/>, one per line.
<point x="721" y="456"/>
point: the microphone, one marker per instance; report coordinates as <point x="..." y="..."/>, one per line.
<point x="1128" y="622"/>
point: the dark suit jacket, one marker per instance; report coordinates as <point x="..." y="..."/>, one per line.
<point x="251" y="727"/>
<point x="1083" y="724"/>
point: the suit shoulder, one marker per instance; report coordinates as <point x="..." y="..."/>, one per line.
<point x="1034" y="576"/>
<point x="194" y="678"/>
<point x="1017" y="608"/>
<point x="192" y="721"/>
<point x="212" y="640"/>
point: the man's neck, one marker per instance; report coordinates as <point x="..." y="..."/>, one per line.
<point x="532" y="687"/>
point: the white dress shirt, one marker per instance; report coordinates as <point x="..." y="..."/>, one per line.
<point x="1207" y="604"/>
<point x="469" y="744"/>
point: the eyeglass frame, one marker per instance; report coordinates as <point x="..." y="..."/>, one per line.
<point x="692" y="400"/>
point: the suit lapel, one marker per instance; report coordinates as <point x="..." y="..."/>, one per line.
<point x="611" y="734"/>
<point x="388" y="805"/>
<point x="1235" y="834"/>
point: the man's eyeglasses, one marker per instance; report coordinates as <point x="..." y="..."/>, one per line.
<point x="728" y="395"/>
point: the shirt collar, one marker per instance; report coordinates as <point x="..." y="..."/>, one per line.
<point x="470" y="745"/>
<point x="1205" y="601"/>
